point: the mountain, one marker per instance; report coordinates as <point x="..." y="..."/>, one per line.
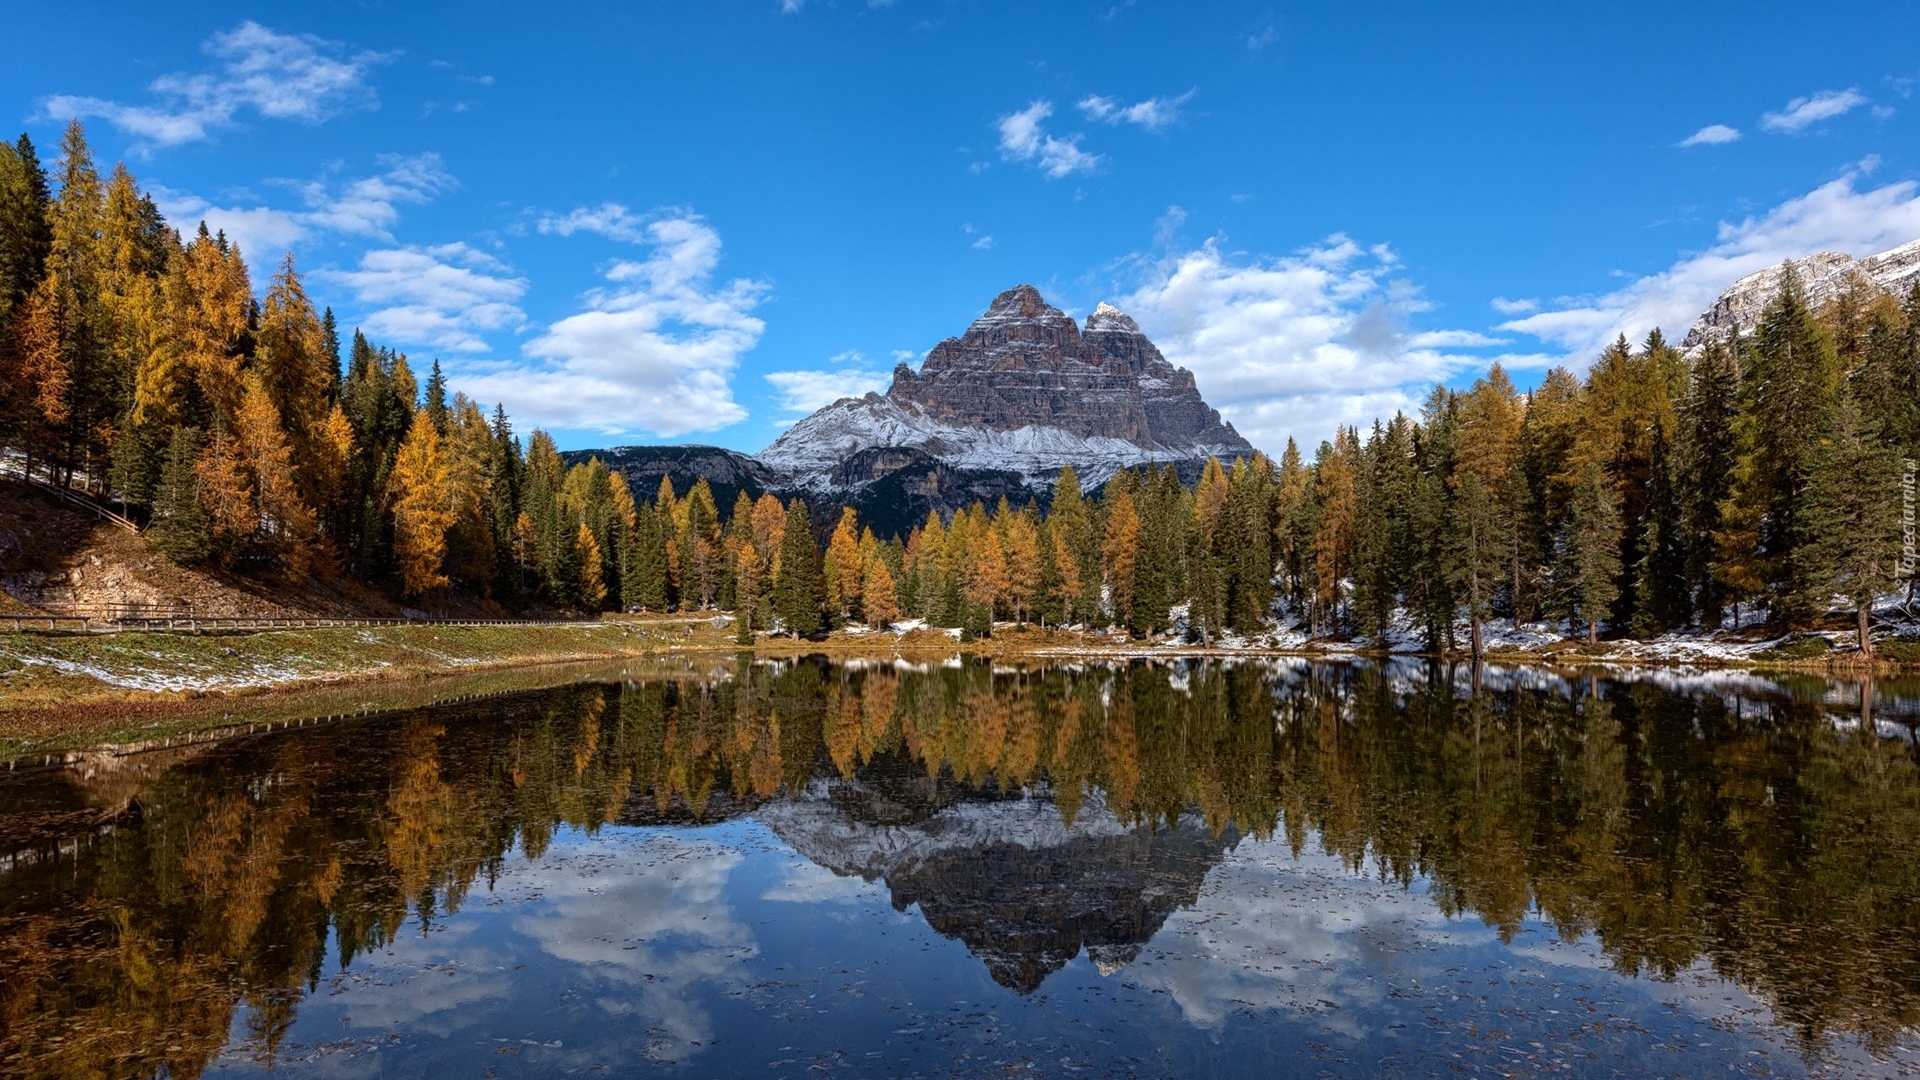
<point x="727" y="472"/>
<point x="1022" y="888"/>
<point x="1024" y="390"/>
<point x="1822" y="275"/>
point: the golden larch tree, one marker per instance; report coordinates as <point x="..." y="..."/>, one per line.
<point x="421" y="513"/>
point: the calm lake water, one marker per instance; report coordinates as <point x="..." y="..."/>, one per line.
<point x="812" y="870"/>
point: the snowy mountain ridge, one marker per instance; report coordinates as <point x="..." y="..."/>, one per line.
<point x="1024" y="390"/>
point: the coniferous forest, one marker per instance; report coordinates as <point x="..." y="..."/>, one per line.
<point x="1757" y="476"/>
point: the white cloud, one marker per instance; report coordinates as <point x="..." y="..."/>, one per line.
<point x="1022" y="139"/>
<point x="1152" y="114"/>
<point x="278" y="76"/>
<point x="1299" y="344"/>
<point x="610" y="220"/>
<point x="1833" y="217"/>
<point x="1514" y="307"/>
<point x="1803" y="112"/>
<point x="654" y="351"/>
<point x="369" y="207"/>
<point x="441" y="297"/>
<point x="1711" y="135"/>
<point x="803" y="393"/>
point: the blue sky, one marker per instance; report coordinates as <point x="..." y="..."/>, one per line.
<point x="697" y="222"/>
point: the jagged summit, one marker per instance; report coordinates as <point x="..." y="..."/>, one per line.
<point x="1822" y="275"/>
<point x="1023" y="389"/>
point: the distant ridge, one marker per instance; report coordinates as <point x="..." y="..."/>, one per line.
<point x="1823" y="275"/>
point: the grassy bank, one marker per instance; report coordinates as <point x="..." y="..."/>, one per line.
<point x="61" y="692"/>
<point x="51" y="684"/>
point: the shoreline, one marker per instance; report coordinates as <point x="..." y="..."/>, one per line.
<point x="66" y="695"/>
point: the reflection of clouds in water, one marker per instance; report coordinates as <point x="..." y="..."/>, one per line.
<point x="1274" y="932"/>
<point x="648" y="921"/>
<point x="435" y="984"/>
<point x="803" y="882"/>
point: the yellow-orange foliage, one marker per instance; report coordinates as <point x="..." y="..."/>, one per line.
<point x="1120" y="552"/>
<point x="881" y="604"/>
<point x="421" y="514"/>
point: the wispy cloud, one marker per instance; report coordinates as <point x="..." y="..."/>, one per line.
<point x="1152" y="114"/>
<point x="1803" y="112"/>
<point x="653" y="352"/>
<point x="1023" y="139"/>
<point x="1514" y="307"/>
<point x="981" y="241"/>
<point x="1837" y="216"/>
<point x="369" y="206"/>
<point x="443" y="297"/>
<point x="257" y="70"/>
<point x="805" y="392"/>
<point x="609" y="219"/>
<point x="1711" y="135"/>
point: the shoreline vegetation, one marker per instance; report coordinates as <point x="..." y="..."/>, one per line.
<point x="67" y="695"/>
<point x="272" y="463"/>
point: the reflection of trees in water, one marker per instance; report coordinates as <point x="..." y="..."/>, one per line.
<point x="1756" y="837"/>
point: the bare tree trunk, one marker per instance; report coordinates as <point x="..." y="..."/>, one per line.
<point x="1593" y="631"/>
<point x="1866" y="639"/>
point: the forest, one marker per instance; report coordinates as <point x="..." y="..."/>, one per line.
<point x="1762" y="475"/>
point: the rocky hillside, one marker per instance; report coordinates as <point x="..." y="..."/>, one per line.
<point x="1823" y="274"/>
<point x="1025" y="389"/>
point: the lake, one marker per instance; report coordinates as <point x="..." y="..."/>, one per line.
<point x="816" y="869"/>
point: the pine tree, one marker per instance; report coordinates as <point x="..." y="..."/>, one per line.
<point x="436" y="397"/>
<point x="1476" y="556"/>
<point x="179" y="528"/>
<point x="1592" y="550"/>
<point x="1792" y="381"/>
<point x="1707" y="454"/>
<point x="1661" y="578"/>
<point x="797" y="592"/>
<point x="1851" y="521"/>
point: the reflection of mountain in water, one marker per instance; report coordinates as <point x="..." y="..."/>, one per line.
<point x="1024" y="890"/>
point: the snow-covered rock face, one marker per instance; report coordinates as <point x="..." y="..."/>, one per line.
<point x="1822" y="276"/>
<point x="1025" y="390"/>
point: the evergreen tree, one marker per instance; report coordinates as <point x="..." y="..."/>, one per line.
<point x="1477" y="554"/>
<point x="797" y="593"/>
<point x="179" y="527"/>
<point x="1707" y="454"/>
<point x="1792" y="380"/>
<point x="1851" y="523"/>
<point x="1661" y="578"/>
<point x="436" y="397"/>
<point x="1592" y="550"/>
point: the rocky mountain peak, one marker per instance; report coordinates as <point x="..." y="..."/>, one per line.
<point x="1023" y="389"/>
<point x="1823" y="275"/>
<point x="1108" y="318"/>
<point x="1020" y="302"/>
